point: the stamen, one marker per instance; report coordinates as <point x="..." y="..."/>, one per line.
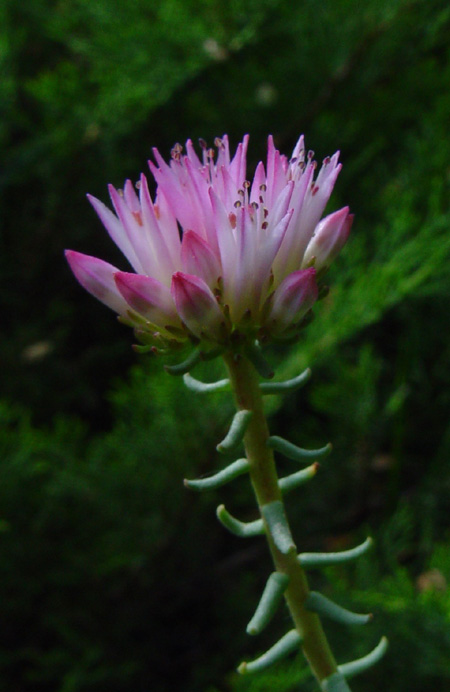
<point x="202" y="143"/>
<point x="176" y="151"/>
<point x="326" y="161"/>
<point x="310" y="154"/>
<point x="264" y="225"/>
<point x="263" y="187"/>
<point x="246" y="184"/>
<point x="233" y="219"/>
<point x="219" y="143"/>
<point x="137" y="185"/>
<point x="237" y="204"/>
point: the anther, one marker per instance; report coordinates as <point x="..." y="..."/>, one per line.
<point x="310" y="154"/>
<point x="266" y="212"/>
<point x="218" y="143"/>
<point x="237" y="204"/>
<point x="211" y="153"/>
<point x="202" y="143"/>
<point x="264" y="225"/>
<point x="241" y="192"/>
<point x="233" y="219"/>
<point x="176" y="151"/>
<point x="326" y="161"/>
<point x="263" y="187"/>
<point x="246" y="184"/>
<point x="255" y="205"/>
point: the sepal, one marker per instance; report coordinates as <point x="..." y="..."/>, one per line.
<point x="291" y="451"/>
<point x="270" y="600"/>
<point x="287" y="386"/>
<point x="285" y="646"/>
<point x="239" y="528"/>
<point x="236" y="432"/>
<point x="317" y="603"/>
<point x="186" y="365"/>
<point x="237" y="468"/>
<point x="325" y="559"/>
<point x="275" y="518"/>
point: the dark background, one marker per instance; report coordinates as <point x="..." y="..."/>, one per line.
<point x="112" y="576"/>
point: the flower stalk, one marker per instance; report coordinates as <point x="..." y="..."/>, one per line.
<point x="264" y="478"/>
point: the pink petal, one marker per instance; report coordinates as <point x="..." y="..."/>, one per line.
<point x="198" y="258"/>
<point x="97" y="277"/>
<point x="115" y="229"/>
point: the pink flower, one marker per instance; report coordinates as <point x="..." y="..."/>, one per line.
<point x="240" y="264"/>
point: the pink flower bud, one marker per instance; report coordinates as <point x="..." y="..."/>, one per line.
<point x="296" y="294"/>
<point x="329" y="238"/>
<point x="149" y="297"/>
<point x="196" y="305"/>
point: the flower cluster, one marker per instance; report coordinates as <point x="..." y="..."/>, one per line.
<point x="244" y="264"/>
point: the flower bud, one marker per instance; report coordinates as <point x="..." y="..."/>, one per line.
<point x="329" y="238"/>
<point x="296" y="294"/>
<point x="149" y="297"/>
<point x="196" y="305"/>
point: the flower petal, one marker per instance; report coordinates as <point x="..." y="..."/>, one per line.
<point x="198" y="258"/>
<point x="97" y="277"/>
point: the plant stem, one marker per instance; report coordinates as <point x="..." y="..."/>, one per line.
<point x="264" y="478"/>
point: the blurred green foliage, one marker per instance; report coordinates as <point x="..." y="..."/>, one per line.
<point x="113" y="577"/>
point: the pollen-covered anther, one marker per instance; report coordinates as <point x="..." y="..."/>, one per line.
<point x="176" y="151"/>
<point x="138" y="216"/>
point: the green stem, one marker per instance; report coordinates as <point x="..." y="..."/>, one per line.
<point x="245" y="384"/>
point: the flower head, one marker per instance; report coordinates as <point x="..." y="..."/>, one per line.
<point x="244" y="265"/>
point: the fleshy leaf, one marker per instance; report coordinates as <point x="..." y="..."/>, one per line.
<point x="285" y="646"/>
<point x="237" y="468"/>
<point x="322" y="605"/>
<point x="270" y="600"/>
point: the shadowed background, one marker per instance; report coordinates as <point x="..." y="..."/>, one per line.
<point x="112" y="576"/>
